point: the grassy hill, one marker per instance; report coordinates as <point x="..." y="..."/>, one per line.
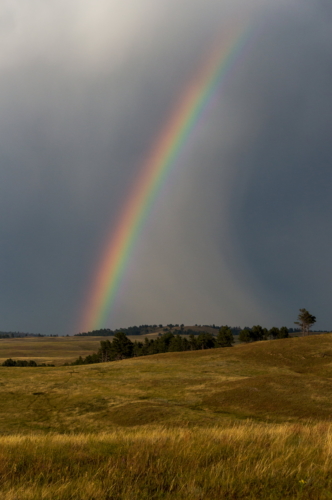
<point x="280" y="380"/>
<point x="252" y="421"/>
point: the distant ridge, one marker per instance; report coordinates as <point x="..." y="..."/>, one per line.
<point x="8" y="335"/>
<point x="154" y="329"/>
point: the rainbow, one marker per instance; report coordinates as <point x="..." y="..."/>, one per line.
<point x="160" y="161"/>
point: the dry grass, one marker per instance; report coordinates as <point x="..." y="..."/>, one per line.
<point x="54" y="350"/>
<point x="274" y="381"/>
<point x="246" y="422"/>
<point x="48" y="350"/>
<point x="238" y="461"/>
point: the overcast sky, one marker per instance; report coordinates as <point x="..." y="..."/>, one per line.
<point x="241" y="231"/>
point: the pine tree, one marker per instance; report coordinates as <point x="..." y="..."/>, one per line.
<point x="305" y="321"/>
<point x="225" y="337"/>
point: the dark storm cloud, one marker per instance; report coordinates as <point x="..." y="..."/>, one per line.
<point x="280" y="221"/>
<point x="85" y="88"/>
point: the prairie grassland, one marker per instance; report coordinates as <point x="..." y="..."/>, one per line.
<point x="252" y="421"/>
<point x="274" y="381"/>
<point x="244" y="460"/>
<point x="54" y="350"/>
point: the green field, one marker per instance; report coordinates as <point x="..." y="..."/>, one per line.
<point x="252" y="421"/>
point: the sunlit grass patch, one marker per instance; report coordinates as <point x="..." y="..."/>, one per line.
<point x="243" y="460"/>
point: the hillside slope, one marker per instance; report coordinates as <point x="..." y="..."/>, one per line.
<point x="280" y="380"/>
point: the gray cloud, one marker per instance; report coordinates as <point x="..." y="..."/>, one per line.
<point x="240" y="230"/>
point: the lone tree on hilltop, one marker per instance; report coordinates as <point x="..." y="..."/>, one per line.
<point x="305" y="321"/>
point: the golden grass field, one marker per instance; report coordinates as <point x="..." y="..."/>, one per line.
<point x="53" y="350"/>
<point x="252" y="421"/>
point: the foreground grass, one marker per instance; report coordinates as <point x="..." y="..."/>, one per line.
<point x="239" y="461"/>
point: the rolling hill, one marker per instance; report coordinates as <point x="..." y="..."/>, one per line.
<point x="247" y="422"/>
<point x="279" y="380"/>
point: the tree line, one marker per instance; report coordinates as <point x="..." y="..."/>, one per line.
<point x="12" y="335"/>
<point x="23" y="362"/>
<point x="259" y="333"/>
<point x="146" y="329"/>
<point x="121" y="347"/>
